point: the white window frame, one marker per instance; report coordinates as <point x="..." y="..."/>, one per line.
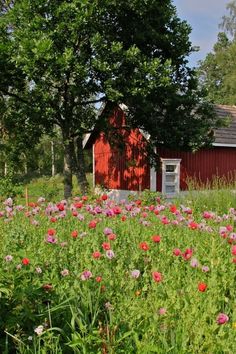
<point x="175" y="173"/>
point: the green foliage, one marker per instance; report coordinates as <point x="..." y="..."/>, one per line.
<point x="217" y="71"/>
<point x="9" y="188"/>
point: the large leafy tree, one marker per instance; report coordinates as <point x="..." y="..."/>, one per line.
<point x="73" y="54"/>
<point x="218" y="70"/>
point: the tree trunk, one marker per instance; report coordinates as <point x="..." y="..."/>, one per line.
<point x="68" y="163"/>
<point x="53" y="159"/>
<point x="80" y="166"/>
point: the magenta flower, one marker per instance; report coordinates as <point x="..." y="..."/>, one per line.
<point x="222" y="318"/>
<point x="51" y="239"/>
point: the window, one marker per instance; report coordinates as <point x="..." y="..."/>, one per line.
<point x="170" y="176"/>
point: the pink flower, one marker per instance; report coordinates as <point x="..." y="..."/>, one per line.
<point x="222" y="318"/>
<point x="162" y="311"/>
<point x="86" y="275"/>
<point x="8" y="258"/>
<point x="110" y="254"/>
<point x="65" y="272"/>
<point x="233" y="250"/>
<point x="135" y="273"/>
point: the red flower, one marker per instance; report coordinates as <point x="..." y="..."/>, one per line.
<point x="144" y="214"/>
<point x="85" y="198"/>
<point x="32" y="205"/>
<point x="156" y="238"/>
<point x="78" y="205"/>
<point x="144" y="246"/>
<point x="234" y="260"/>
<point x="193" y="225"/>
<point x="123" y="218"/>
<point x="202" y="287"/>
<point x="106" y="246"/>
<point x="60" y="207"/>
<point x="138" y="202"/>
<point x="51" y="232"/>
<point x="25" y="261"/>
<point x="156" y="212"/>
<point x="187" y="254"/>
<point x="96" y="254"/>
<point x="173" y="208"/>
<point x="116" y="210"/>
<point x="98" y="279"/>
<point x="104" y="197"/>
<point x="53" y="219"/>
<point x="92" y="224"/>
<point x="233" y="250"/>
<point x="176" y="252"/>
<point x="74" y="234"/>
<point x="111" y="237"/>
<point x="157" y="277"/>
<point x="47" y="287"/>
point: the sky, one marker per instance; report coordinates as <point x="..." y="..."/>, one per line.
<point x="204" y="17"/>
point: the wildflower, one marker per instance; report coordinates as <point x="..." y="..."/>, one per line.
<point x="25" y="261"/>
<point x="47" y="287"/>
<point x="104" y="197"/>
<point x="65" y="272"/>
<point x="110" y="254"/>
<point x="74" y="234"/>
<point x="98" y="279"/>
<point x="108" y="306"/>
<point x="135" y="273"/>
<point x="194" y="263"/>
<point x="8" y="258"/>
<point x="51" y="239"/>
<point x="193" y="225"/>
<point x="176" y="252"/>
<point x="202" y="287"/>
<point x="38" y="270"/>
<point x="39" y="330"/>
<point x="205" y="269"/>
<point x="162" y="311"/>
<point x="51" y="232"/>
<point x="86" y="275"/>
<point x="19" y="266"/>
<point x="111" y="237"/>
<point x="123" y="218"/>
<point x="233" y="250"/>
<point x="144" y="246"/>
<point x="222" y="318"/>
<point x="187" y="254"/>
<point x="156" y="238"/>
<point x="96" y="255"/>
<point x="92" y="224"/>
<point x="157" y="277"/>
<point x="173" y="209"/>
<point x="106" y="246"/>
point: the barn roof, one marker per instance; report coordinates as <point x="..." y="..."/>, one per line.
<point x="226" y="136"/>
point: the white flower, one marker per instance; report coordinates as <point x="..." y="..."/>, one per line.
<point x="39" y="330"/>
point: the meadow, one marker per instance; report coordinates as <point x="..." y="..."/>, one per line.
<point x="143" y="276"/>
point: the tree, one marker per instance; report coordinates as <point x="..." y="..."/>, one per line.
<point x="74" y="54"/>
<point x="217" y="71"/>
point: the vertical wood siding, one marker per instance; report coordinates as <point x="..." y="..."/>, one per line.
<point x="125" y="168"/>
<point x="203" y="166"/>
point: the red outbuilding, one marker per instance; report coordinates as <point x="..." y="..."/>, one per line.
<point x="126" y="169"/>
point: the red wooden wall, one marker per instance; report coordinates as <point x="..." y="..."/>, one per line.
<point x="203" y="165"/>
<point x="125" y="169"/>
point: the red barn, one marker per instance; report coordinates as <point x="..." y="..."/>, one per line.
<point x="125" y="170"/>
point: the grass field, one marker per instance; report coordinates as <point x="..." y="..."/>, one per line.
<point x="144" y="276"/>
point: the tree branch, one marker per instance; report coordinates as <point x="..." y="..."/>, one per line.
<point x="11" y="94"/>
